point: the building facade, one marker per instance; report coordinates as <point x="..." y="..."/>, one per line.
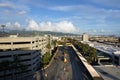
<point x="85" y="37"/>
<point x="117" y="58"/>
<point x="28" y="49"/>
<point x="110" y="50"/>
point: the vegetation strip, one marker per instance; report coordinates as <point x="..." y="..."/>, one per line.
<point x="51" y="60"/>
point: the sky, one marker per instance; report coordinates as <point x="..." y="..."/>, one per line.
<point x="68" y="16"/>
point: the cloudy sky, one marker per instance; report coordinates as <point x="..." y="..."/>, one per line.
<point x="70" y="16"/>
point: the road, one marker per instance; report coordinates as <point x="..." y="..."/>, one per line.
<point x="73" y="69"/>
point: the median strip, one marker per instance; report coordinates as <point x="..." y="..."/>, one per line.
<point x="51" y="59"/>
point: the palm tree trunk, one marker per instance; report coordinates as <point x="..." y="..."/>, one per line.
<point x="50" y="52"/>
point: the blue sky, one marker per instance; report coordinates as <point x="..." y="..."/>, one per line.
<point x="74" y="16"/>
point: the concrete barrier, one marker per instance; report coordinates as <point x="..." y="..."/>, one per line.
<point x="90" y="69"/>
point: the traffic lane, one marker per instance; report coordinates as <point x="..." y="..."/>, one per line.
<point x="76" y="69"/>
<point x="52" y="70"/>
<point x="56" y="70"/>
<point x="79" y="65"/>
<point x="60" y="74"/>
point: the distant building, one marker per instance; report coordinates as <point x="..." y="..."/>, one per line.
<point x="29" y="49"/>
<point x="13" y="36"/>
<point x="117" y="58"/>
<point x="85" y="37"/>
<point x="110" y="50"/>
<point x="108" y="72"/>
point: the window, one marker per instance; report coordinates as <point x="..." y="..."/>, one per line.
<point x="25" y="60"/>
<point x="25" y="54"/>
<point x="5" y="43"/>
<point x="5" y="56"/>
<point x="21" y="42"/>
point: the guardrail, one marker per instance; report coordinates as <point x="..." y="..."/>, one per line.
<point x="90" y="69"/>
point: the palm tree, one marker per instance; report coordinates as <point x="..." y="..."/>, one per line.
<point x="49" y="47"/>
<point x="92" y="55"/>
<point x="49" y="44"/>
<point x="54" y="43"/>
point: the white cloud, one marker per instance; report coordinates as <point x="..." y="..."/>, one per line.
<point x="94" y="31"/>
<point x="108" y="3"/>
<point x="22" y="12"/>
<point x="77" y="8"/>
<point x="32" y="25"/>
<point x="7" y="5"/>
<point x="8" y="25"/>
<point x="66" y="26"/>
<point x="62" y="26"/>
<point x="102" y="30"/>
<point x="85" y="9"/>
<point x="15" y="26"/>
<point x="47" y="26"/>
<point x="61" y="8"/>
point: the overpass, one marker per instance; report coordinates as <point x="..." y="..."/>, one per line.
<point x="76" y="67"/>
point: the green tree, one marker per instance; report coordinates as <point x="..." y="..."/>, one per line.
<point x="88" y="52"/>
<point x="54" y="43"/>
<point x="46" y="59"/>
<point x="49" y="44"/>
<point x="92" y="55"/>
<point x="83" y="48"/>
<point x="49" y="47"/>
<point x="59" y="42"/>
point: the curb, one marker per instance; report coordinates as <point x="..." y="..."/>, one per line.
<point x="51" y="59"/>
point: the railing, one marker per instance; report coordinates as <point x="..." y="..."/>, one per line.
<point x="4" y="47"/>
<point x="90" y="69"/>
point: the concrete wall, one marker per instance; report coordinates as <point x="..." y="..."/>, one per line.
<point x="30" y="58"/>
<point x="29" y="49"/>
<point x="24" y="43"/>
<point x="90" y="69"/>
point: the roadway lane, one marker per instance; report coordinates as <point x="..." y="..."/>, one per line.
<point x="79" y="72"/>
<point x="76" y="69"/>
<point x="72" y="70"/>
<point x="56" y="70"/>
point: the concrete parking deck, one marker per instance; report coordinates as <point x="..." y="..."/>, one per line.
<point x="109" y="72"/>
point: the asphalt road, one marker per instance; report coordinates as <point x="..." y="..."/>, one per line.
<point x="72" y="70"/>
